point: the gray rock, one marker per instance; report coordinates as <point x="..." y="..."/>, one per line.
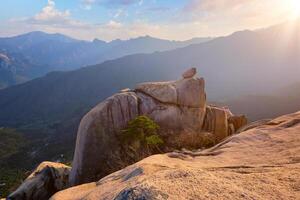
<point x="140" y="193"/>
<point x="175" y="106"/>
<point x="238" y="121"/>
<point x="164" y="92"/>
<point x="191" y="92"/>
<point x="47" y="179"/>
<point x="97" y="150"/>
<point x="178" y="107"/>
<point x="190" y="73"/>
<point x="187" y="92"/>
<point x="216" y="121"/>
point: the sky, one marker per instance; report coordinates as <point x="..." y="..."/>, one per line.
<point x="124" y="19"/>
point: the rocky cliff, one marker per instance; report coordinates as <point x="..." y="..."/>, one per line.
<point x="178" y="107"/>
<point x="260" y="163"/>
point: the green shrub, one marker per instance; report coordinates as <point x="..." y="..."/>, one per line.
<point x="144" y="131"/>
<point x="154" y="140"/>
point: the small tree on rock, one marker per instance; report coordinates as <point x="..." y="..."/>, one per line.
<point x="143" y="132"/>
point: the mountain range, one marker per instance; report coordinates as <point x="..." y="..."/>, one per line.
<point x="254" y="72"/>
<point x="244" y="63"/>
<point x="34" y="54"/>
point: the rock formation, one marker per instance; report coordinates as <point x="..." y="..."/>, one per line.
<point x="190" y="73"/>
<point x="222" y="122"/>
<point x="47" y="179"/>
<point x="178" y="107"/>
<point x="260" y="163"/>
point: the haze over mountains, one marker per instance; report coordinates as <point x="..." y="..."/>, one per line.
<point x="245" y="63"/>
<point x="34" y="54"/>
<point x="263" y="64"/>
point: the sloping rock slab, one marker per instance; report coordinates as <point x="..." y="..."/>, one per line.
<point x="260" y="163"/>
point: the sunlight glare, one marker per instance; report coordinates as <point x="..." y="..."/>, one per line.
<point x="295" y="8"/>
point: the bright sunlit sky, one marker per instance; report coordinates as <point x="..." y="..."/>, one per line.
<point x="169" y="19"/>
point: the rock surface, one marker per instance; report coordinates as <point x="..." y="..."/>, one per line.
<point x="47" y="179"/>
<point x="178" y="107"/>
<point x="260" y="163"/>
<point x="238" y="122"/>
<point x="190" y="73"/>
<point x="186" y="92"/>
<point x="222" y="122"/>
<point x="216" y="121"/>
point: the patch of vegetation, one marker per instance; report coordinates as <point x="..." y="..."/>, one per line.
<point x="154" y="140"/>
<point x="142" y="134"/>
<point x="10" y="142"/>
<point x="194" y="140"/>
<point x="22" y="150"/>
<point x="10" y="179"/>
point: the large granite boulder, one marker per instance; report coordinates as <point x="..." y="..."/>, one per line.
<point x="175" y="106"/>
<point x="47" y="179"/>
<point x="98" y="150"/>
<point x="178" y="107"/>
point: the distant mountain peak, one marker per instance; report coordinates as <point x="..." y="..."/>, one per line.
<point x="37" y="36"/>
<point x="147" y="37"/>
<point x="243" y="32"/>
<point x="96" y="40"/>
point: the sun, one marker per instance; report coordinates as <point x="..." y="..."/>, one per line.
<point x="294" y="6"/>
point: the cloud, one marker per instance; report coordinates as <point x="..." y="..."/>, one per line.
<point x="213" y="5"/>
<point x="195" y="19"/>
<point x="119" y="13"/>
<point x="114" y="24"/>
<point x="233" y="15"/>
<point x="50" y="15"/>
<point x="52" y="20"/>
<point x="233" y="8"/>
<point x="110" y="3"/>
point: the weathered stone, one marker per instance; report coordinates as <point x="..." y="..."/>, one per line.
<point x="254" y="125"/>
<point x="178" y="107"/>
<point x="175" y="106"/>
<point x="190" y="73"/>
<point x="97" y="150"/>
<point x="216" y="121"/>
<point x="47" y="179"/>
<point x="171" y="118"/>
<point x="261" y="163"/>
<point x="187" y="92"/>
<point x="238" y="121"/>
<point x="164" y="92"/>
<point x="191" y="92"/>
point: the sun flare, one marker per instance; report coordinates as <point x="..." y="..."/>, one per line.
<point x="294" y="6"/>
